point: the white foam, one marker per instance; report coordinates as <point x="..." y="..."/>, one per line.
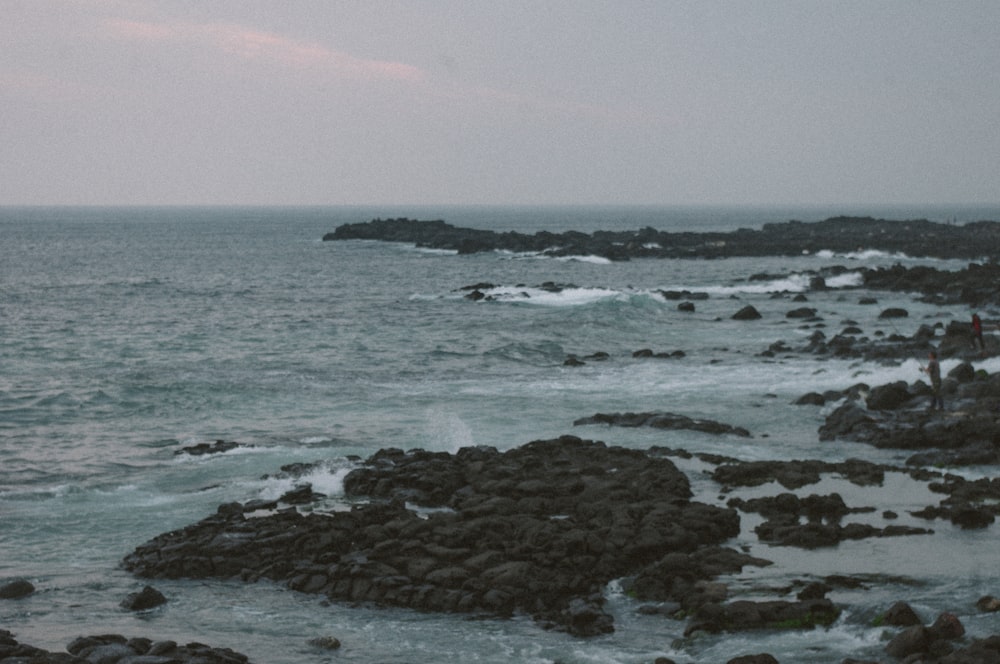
<point x="566" y="297"/>
<point x="208" y="456"/>
<point x="55" y="491"/>
<point x="328" y="480"/>
<point x="511" y="255"/>
<point x="793" y="283"/>
<point x="447" y="431"/>
<point x="863" y="255"/>
<point x="845" y="280"/>
<point x="426" y="250"/>
<point x="596" y="260"/>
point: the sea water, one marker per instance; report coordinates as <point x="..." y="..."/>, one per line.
<point x="129" y="333"/>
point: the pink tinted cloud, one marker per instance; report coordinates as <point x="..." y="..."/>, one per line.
<point x="264" y="47"/>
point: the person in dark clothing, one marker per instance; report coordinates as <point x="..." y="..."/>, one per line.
<point x="933" y="370"/>
<point x="977" y="333"/>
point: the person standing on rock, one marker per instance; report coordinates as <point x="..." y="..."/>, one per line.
<point x="977" y="333"/>
<point x="933" y="370"/>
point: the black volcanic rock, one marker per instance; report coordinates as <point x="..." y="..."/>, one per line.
<point x="838" y="234"/>
<point x="201" y="449"/>
<point x="145" y="599"/>
<point x="16" y="589"/>
<point x="537" y="530"/>
<point x="976" y="285"/>
<point x="784" y="514"/>
<point x="748" y="312"/>
<point x="852" y="343"/>
<point x="661" y="420"/>
<point x="117" y="648"/>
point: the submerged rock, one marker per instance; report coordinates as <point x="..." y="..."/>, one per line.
<point x="218" y="447"/>
<point x="147" y="598"/>
<point x="662" y="421"/>
<point x="325" y="643"/>
<point x="16" y="589"/>
<point x="745" y="615"/>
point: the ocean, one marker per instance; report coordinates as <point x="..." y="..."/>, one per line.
<point x="129" y="333"/>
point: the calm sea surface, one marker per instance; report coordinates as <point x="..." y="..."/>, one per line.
<point x="128" y="333"/>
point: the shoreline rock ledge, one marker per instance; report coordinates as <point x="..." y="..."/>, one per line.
<point x="537" y="530"/>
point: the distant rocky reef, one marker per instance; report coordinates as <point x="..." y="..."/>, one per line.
<point x="839" y="234"/>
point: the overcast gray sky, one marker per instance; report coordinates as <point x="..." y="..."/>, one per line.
<point x="509" y="101"/>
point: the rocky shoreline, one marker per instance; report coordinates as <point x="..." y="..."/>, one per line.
<point x="542" y="529"/>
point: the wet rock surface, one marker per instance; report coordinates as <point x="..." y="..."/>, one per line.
<point x="814" y="521"/>
<point x="16" y="589"/>
<point x="976" y="285"/>
<point x="218" y="447"/>
<point x="143" y="600"/>
<point x="538" y="530"/>
<point x="661" y="420"/>
<point x="823" y="514"/>
<point x="951" y="340"/>
<point x="114" y="648"/>
<point x="896" y="416"/>
<point x="743" y="615"/>
<point x="795" y="474"/>
<point x="541" y="530"/>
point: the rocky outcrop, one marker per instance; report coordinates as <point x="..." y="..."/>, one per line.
<point x="968" y="433"/>
<point x="743" y="615"/>
<point x="784" y="524"/>
<point x="218" y="447"/>
<point x="931" y="640"/>
<point x="16" y="589"/>
<point x="537" y="530"/>
<point x="796" y="474"/>
<point x="969" y="504"/>
<point x="975" y="285"/>
<point x="143" y="600"/>
<point x="662" y="421"/>
<point x="895" y="416"/>
<point x="749" y="312"/>
<point x="793" y="238"/>
<point x="112" y="648"/>
<point x="953" y="340"/>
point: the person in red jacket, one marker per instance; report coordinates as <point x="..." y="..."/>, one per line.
<point x="977" y="333"/>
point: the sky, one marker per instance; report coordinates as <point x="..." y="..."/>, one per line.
<point x="343" y="102"/>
